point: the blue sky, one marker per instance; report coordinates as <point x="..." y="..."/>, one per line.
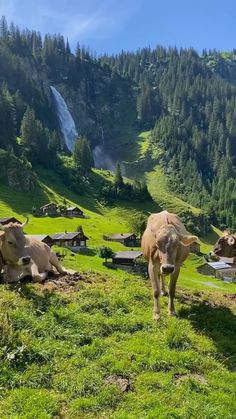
<point x="112" y="25"/>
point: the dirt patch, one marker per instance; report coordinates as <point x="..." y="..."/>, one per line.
<point x="65" y="282"/>
<point x="121" y="382"/>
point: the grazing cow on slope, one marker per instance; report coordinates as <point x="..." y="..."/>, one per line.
<point x="225" y="246"/>
<point x="22" y="256"/>
<point x="165" y="244"/>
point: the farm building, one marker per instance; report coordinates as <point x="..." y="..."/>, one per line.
<point x="228" y="275"/>
<point x="76" y="239"/>
<point x="211" y="268"/>
<point x="195" y="247"/>
<point x="126" y="258"/>
<point x="74" y="212"/>
<point x="42" y="238"/>
<point x="7" y="220"/>
<point x="49" y="209"/>
<point x="128" y="239"/>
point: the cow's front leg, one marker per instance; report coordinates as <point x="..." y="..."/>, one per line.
<point x="172" y="286"/>
<point x="55" y="262"/>
<point x="36" y="276"/>
<point x="163" y="286"/>
<point x="155" y="280"/>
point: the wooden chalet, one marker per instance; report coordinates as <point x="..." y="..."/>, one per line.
<point x="73" y="212"/>
<point x="49" y="209"/>
<point x="76" y="239"/>
<point x="42" y="238"/>
<point x="126" y="258"/>
<point x="128" y="239"/>
<point x="7" y="220"/>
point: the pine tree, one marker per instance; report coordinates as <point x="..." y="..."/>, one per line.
<point x="118" y="180"/>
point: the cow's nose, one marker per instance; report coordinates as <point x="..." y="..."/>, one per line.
<point x="167" y="269"/>
<point x="26" y="260"/>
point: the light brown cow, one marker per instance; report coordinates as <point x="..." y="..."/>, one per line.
<point x="225" y="246"/>
<point x="165" y="244"/>
<point x="24" y="256"/>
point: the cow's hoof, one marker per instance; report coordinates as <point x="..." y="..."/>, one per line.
<point x="164" y="293"/>
<point x="156" y="316"/>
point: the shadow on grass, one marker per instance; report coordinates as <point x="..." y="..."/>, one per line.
<point x="218" y="323"/>
<point x="42" y="301"/>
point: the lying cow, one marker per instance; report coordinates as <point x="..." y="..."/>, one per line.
<point x="22" y="256"/>
<point x="165" y="244"/>
<point x="225" y="246"/>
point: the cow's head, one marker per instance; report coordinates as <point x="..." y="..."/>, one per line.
<point x="225" y="246"/>
<point x="13" y="244"/>
<point x="168" y="244"/>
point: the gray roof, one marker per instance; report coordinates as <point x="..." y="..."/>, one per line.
<point x="132" y="254"/>
<point x="120" y="236"/>
<point x="219" y="265"/>
<point x="74" y="208"/>
<point x="67" y="236"/>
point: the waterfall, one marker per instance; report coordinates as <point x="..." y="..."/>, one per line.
<point x="67" y="123"/>
<point x="102" y="160"/>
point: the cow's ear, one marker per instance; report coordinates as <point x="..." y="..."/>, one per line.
<point x="187" y="240"/>
<point x="231" y="240"/>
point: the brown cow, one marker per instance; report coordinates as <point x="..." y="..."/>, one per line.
<point x="23" y="256"/>
<point x="165" y="244"/>
<point x="225" y="246"/>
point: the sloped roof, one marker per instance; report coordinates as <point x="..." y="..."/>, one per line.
<point x="120" y="236"/>
<point x="73" y="209"/>
<point x="67" y="236"/>
<point x="6" y="219"/>
<point x="218" y="265"/>
<point x="132" y="254"/>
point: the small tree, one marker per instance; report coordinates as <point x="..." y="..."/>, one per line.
<point x="80" y="229"/>
<point x="118" y="181"/>
<point x="105" y="252"/>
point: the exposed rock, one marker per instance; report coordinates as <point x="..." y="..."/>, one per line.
<point x="123" y="383"/>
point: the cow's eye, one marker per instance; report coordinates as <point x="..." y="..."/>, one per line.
<point x="11" y="243"/>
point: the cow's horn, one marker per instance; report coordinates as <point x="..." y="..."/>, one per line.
<point x="25" y="222"/>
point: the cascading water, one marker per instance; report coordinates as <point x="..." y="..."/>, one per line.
<point x="67" y="123"/>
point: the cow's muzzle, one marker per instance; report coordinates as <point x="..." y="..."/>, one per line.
<point x="167" y="269"/>
<point x="25" y="260"/>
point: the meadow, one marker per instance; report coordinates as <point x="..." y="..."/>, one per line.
<point x="90" y="349"/>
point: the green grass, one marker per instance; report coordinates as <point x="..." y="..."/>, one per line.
<point x="158" y="188"/>
<point x="57" y="349"/>
<point x="58" y="344"/>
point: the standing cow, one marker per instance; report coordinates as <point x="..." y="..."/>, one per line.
<point x="22" y="256"/>
<point x="225" y="246"/>
<point x="165" y="244"/>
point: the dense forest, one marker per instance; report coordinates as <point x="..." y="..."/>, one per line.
<point x="187" y="100"/>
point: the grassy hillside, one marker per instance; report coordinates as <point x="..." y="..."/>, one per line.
<point x="89" y="349"/>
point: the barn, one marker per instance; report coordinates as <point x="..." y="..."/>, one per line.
<point x="49" y="209"/>
<point x="128" y="239"/>
<point x="211" y="268"/>
<point x="126" y="258"/>
<point x="74" y="212"/>
<point x="76" y="239"/>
